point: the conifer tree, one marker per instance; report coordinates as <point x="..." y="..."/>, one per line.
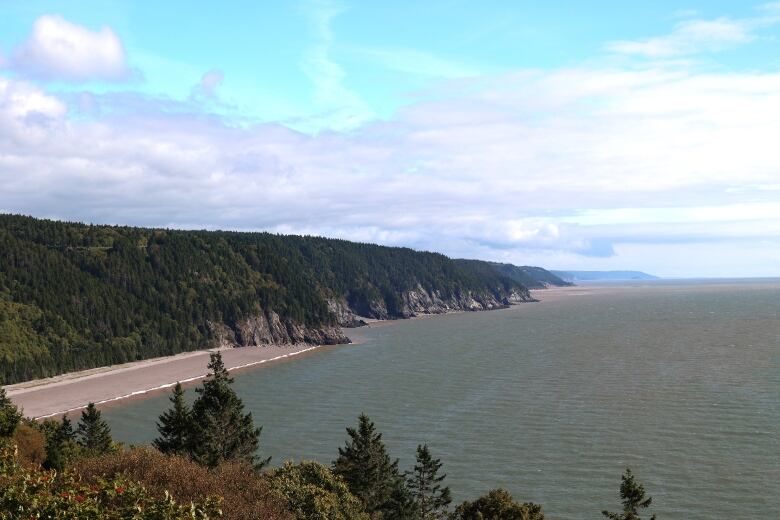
<point x="424" y="484"/>
<point x="221" y="430"/>
<point x="365" y="466"/>
<point x="94" y="434"/>
<point x="61" y="446"/>
<point x="9" y="415"/>
<point x="632" y="495"/>
<point x="175" y="426"/>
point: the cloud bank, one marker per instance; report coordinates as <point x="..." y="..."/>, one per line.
<point x="60" y="50"/>
<point x="582" y="167"/>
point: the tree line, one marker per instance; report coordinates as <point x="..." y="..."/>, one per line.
<point x="208" y="452"/>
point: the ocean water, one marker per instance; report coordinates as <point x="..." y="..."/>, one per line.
<point x="678" y="380"/>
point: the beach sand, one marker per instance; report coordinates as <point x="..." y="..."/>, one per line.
<point x="54" y="396"/>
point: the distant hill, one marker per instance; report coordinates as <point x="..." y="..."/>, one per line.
<point x="592" y="276"/>
<point x="76" y="296"/>
<point x="530" y="276"/>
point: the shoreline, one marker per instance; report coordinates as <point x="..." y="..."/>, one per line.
<point x="105" y="386"/>
<point x="60" y="395"/>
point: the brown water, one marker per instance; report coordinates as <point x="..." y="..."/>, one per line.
<point x="680" y="381"/>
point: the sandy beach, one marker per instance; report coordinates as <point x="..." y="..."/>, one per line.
<point x="71" y="392"/>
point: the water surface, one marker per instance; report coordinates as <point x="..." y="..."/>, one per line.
<point x="680" y="381"/>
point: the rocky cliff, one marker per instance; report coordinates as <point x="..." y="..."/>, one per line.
<point x="271" y="329"/>
<point x="421" y="301"/>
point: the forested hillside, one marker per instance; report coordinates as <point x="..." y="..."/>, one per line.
<point x="75" y="296"/>
<point x="531" y="276"/>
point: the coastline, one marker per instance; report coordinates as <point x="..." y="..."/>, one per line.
<point x="66" y="393"/>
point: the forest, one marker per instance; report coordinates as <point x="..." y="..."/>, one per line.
<point x="76" y="296"/>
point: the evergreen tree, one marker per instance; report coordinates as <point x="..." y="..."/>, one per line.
<point x="94" y="434"/>
<point x="221" y="430"/>
<point x="632" y="495"/>
<point x="424" y="484"/>
<point x="366" y="467"/>
<point x="175" y="426"/>
<point x="60" y="447"/>
<point x="9" y="415"/>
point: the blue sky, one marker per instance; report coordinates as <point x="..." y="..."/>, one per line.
<point x="574" y="135"/>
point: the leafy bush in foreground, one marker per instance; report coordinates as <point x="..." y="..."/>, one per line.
<point x="246" y="496"/>
<point x="312" y="491"/>
<point x="35" y="493"/>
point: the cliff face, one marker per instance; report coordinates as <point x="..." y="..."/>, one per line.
<point x="420" y="301"/>
<point x="270" y="329"/>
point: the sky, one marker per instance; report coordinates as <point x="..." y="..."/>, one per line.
<point x="567" y="134"/>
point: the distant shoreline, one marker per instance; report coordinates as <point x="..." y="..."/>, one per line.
<point x="104" y="386"/>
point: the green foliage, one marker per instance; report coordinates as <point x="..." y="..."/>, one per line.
<point x="424" y="483"/>
<point x="35" y="493"/>
<point x="61" y="446"/>
<point x="366" y="467"/>
<point x="221" y="430"/>
<point x="75" y="296"/>
<point x="498" y="504"/>
<point x="10" y="416"/>
<point x="94" y="434"/>
<point x="175" y="426"/>
<point x="312" y="491"/>
<point x="632" y="496"/>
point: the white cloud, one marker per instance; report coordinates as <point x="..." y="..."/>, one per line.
<point x="206" y="89"/>
<point x="60" y="50"/>
<point x="340" y="106"/>
<point x="690" y="37"/>
<point x="567" y="168"/>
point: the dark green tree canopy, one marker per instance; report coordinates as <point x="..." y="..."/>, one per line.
<point x="93" y="432"/>
<point x="221" y="431"/>
<point x="425" y="486"/>
<point x="9" y="415"/>
<point x="371" y="475"/>
<point x="175" y="426"/>
<point x="632" y="496"/>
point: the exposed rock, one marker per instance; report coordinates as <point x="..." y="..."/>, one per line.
<point x="345" y="316"/>
<point x="269" y="329"/>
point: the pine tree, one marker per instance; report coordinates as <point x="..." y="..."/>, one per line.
<point x="93" y="432"/>
<point x="221" y="430"/>
<point x="9" y="415"/>
<point x="175" y="426"/>
<point x="424" y="484"/>
<point x="61" y="446"/>
<point x="366" y="467"/>
<point x="632" y="495"/>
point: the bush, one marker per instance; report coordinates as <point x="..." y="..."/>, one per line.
<point x="498" y="504"/>
<point x="312" y="491"/>
<point x="245" y="495"/>
<point x="31" y="445"/>
<point x="36" y="493"/>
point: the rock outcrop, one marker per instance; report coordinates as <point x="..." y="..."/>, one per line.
<point x="269" y="329"/>
<point x="419" y="301"/>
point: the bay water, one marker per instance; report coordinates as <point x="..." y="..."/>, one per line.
<point x="680" y="381"/>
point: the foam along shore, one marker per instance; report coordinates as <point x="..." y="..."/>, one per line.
<point x="42" y="398"/>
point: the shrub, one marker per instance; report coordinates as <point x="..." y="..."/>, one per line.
<point x="36" y="493"/>
<point x="245" y="495"/>
<point x="31" y="445"/>
<point x="498" y="504"/>
<point x="312" y="491"/>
